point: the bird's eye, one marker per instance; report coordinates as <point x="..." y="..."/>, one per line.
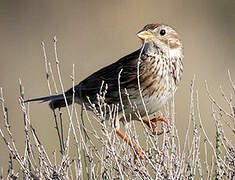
<point x="162" y="32"/>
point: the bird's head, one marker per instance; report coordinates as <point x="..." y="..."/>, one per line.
<point x="163" y="37"/>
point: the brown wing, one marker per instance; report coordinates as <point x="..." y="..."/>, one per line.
<point x="109" y="75"/>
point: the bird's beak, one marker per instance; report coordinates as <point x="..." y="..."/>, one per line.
<point x="145" y="35"/>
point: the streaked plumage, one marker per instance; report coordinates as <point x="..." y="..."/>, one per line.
<point x="160" y="71"/>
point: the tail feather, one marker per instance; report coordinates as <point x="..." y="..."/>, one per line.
<point x="47" y="98"/>
<point x="57" y="101"/>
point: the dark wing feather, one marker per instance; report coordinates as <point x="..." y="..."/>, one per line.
<point x="109" y="75"/>
<point x="91" y="86"/>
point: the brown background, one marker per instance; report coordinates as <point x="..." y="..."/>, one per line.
<point x="92" y="34"/>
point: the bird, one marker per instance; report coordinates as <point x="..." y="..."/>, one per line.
<point x="146" y="79"/>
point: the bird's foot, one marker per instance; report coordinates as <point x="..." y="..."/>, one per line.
<point x="138" y="152"/>
<point x="152" y="124"/>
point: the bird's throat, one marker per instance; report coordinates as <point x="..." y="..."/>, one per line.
<point x="151" y="49"/>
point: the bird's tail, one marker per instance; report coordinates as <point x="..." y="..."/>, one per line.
<point x="57" y="101"/>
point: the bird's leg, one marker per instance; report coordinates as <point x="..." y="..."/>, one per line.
<point x="153" y="125"/>
<point x="137" y="150"/>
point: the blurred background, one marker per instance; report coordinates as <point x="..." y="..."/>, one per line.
<point x="93" y="34"/>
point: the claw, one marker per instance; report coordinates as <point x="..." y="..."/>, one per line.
<point x="153" y="125"/>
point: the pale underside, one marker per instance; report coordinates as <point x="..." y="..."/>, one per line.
<point x="158" y="80"/>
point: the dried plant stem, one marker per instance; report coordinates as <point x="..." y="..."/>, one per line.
<point x="92" y="150"/>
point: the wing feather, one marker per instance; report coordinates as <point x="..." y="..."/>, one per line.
<point x="90" y="86"/>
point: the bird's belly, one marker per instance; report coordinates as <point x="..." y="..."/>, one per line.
<point x="156" y="101"/>
<point x="161" y="92"/>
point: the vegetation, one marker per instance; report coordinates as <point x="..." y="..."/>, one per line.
<point x="100" y="154"/>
